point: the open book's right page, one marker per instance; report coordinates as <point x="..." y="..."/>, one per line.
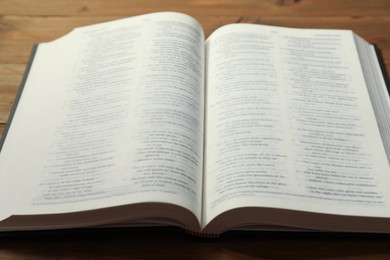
<point x="290" y="124"/>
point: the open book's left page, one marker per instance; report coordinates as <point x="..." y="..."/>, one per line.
<point x="111" y="114"/>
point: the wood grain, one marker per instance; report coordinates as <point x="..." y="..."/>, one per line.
<point x="10" y="77"/>
<point x="24" y="23"/>
<point x="310" y="8"/>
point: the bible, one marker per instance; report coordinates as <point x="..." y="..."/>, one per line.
<point x="142" y="122"/>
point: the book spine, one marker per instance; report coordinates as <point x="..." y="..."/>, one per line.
<point x="201" y="235"/>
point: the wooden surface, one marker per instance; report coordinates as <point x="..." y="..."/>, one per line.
<point x="25" y="22"/>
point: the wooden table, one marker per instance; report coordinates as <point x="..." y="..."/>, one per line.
<point x="25" y="22"/>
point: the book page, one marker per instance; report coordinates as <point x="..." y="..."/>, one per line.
<point x="290" y="125"/>
<point x="111" y="114"/>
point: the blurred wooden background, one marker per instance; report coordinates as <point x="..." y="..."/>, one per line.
<point x="25" y="22"/>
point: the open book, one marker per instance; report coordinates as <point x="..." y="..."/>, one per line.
<point x="141" y="121"/>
